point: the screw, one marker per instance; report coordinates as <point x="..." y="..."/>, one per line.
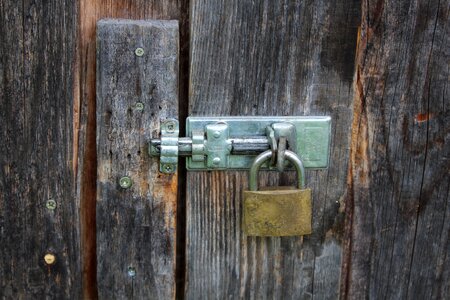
<point x="139" y="106"/>
<point x="217" y="134"/>
<point x="125" y="182"/>
<point x="139" y="51"/>
<point x="168" y="168"/>
<point x="170" y="126"/>
<point x="131" y="271"/>
<point x="216" y="160"/>
<point x="49" y="259"/>
<point x="51" y="204"/>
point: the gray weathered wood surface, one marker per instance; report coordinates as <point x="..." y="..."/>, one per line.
<point x="37" y="49"/>
<point x="247" y="58"/>
<point x="135" y="226"/>
<point x="90" y="11"/>
<point x="269" y="58"/>
<point x="398" y="208"/>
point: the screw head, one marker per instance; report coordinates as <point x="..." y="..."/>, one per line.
<point x="139" y="106"/>
<point x="131" y="271"/>
<point x="170" y="126"/>
<point x="216" y="160"/>
<point x="50" y="204"/>
<point x="168" y="168"/>
<point x="139" y="51"/>
<point x="125" y="182"/>
<point x="49" y="259"/>
<point x="217" y="134"/>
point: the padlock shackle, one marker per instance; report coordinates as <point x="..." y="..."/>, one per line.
<point x="263" y="157"/>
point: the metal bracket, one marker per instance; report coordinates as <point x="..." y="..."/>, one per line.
<point x="218" y="146"/>
<point x="224" y="143"/>
<point x="169" y="146"/>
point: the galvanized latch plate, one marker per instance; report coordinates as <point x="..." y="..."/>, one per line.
<point x="226" y="138"/>
<point x="169" y="146"/>
<point x="232" y="143"/>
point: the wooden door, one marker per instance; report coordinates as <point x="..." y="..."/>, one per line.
<point x="72" y="125"/>
<point x="269" y="58"/>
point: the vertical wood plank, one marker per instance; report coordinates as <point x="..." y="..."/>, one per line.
<point x="398" y="208"/>
<point x="37" y="45"/>
<point x="84" y="105"/>
<point x="135" y="226"/>
<point x="269" y="58"/>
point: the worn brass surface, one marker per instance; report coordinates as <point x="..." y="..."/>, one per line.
<point x="281" y="212"/>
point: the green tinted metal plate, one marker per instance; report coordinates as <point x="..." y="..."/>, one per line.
<point x="313" y="138"/>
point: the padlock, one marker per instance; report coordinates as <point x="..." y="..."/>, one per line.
<point x="277" y="212"/>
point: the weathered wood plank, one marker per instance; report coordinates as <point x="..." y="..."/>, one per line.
<point x="37" y="45"/>
<point x="398" y="207"/>
<point x="84" y="107"/>
<point x="269" y="58"/>
<point x="135" y="226"/>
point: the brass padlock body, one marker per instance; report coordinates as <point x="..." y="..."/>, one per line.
<point x="281" y="212"/>
<point x="277" y="211"/>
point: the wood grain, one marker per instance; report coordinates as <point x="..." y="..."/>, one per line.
<point x="269" y="58"/>
<point x="135" y="226"/>
<point x="398" y="207"/>
<point x="37" y="45"/>
<point x="84" y="105"/>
